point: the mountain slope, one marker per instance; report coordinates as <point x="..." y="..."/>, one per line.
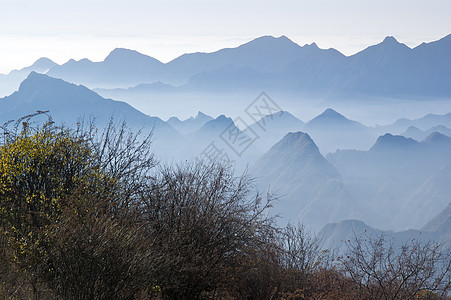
<point x="190" y="125"/>
<point x="273" y="127"/>
<point x="336" y="235"/>
<point x="68" y="103"/>
<point x="10" y="82"/>
<point x="424" y="123"/>
<point x="121" y="68"/>
<point x="428" y="199"/>
<point x="331" y="131"/>
<point x="397" y="171"/>
<point x="419" y="135"/>
<point x="306" y="182"/>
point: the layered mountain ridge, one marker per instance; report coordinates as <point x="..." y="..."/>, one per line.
<point x="389" y="69"/>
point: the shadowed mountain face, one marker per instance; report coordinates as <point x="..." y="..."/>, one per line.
<point x="310" y="188"/>
<point x="68" y="103"/>
<point x="388" y="69"/>
<point x="397" y="176"/>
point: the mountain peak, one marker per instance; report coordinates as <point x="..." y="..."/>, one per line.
<point x="329" y="114"/>
<point x="201" y="115"/>
<point x="216" y="125"/>
<point x="389" y="46"/>
<point x="46" y="84"/>
<point x="223" y="118"/>
<point x="391" y="142"/>
<point x="312" y="45"/>
<point x="390" y="40"/>
<point x="392" y="43"/>
<point x="269" y="41"/>
<point x="43" y="63"/>
<point x="123" y="54"/>
<point x="332" y="120"/>
<point x="34" y="74"/>
<point x="294" y="152"/>
<point x="297" y="142"/>
<point x="34" y="79"/>
<point x="437" y="137"/>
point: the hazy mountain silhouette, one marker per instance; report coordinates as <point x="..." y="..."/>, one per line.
<point x="216" y="140"/>
<point x="428" y="199"/>
<point x="143" y="88"/>
<point x="295" y="169"/>
<point x="377" y="69"/>
<point x="389" y="174"/>
<point x="437" y="229"/>
<point x="68" y="103"/>
<point x="214" y="127"/>
<point x="441" y="224"/>
<point x="432" y="72"/>
<point x="393" y="143"/>
<point x="121" y="68"/>
<point x="419" y="135"/>
<point x="330" y="119"/>
<point x="189" y="125"/>
<point x="264" y="62"/>
<point x="336" y="235"/>
<point x="331" y="131"/>
<point x="389" y="69"/>
<point x="10" y="82"/>
<point x="423" y="123"/>
<point x="273" y="127"/>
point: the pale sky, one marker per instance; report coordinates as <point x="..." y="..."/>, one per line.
<point x="64" y="29"/>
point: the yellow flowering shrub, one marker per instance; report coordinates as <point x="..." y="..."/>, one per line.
<point x="39" y="169"/>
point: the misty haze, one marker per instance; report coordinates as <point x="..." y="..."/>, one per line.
<point x="269" y="168"/>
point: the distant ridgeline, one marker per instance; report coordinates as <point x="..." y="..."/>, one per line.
<point x="389" y="69"/>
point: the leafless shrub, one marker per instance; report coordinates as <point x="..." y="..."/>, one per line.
<point x="205" y="220"/>
<point x="383" y="270"/>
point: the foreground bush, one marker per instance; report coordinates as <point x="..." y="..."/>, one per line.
<point x="67" y="205"/>
<point x="383" y="269"/>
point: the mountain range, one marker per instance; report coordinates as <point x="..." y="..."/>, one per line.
<point x="11" y="81"/>
<point x="389" y="69"/>
<point x="398" y="183"/>
<point x="336" y="235"/>
<point x="68" y="104"/>
<point x="331" y="131"/>
<point x="398" y="176"/>
<point x="419" y="135"/>
<point x="306" y="182"/>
